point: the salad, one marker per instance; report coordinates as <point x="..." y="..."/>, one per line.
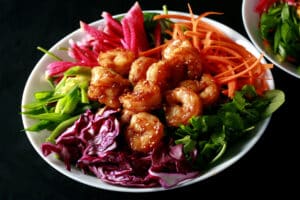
<point x="150" y="99"/>
<point x="279" y="28"/>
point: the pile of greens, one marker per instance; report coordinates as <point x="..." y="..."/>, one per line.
<point x="280" y="30"/>
<point x="210" y="134"/>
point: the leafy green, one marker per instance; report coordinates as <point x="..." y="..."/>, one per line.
<point x="210" y="134"/>
<point x="276" y="98"/>
<point x="280" y="26"/>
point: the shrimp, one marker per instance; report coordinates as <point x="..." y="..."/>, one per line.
<point x="207" y="89"/>
<point x="171" y="50"/>
<point x="117" y="59"/>
<point x="165" y="75"/>
<point x="194" y="85"/>
<point x="106" y="86"/>
<point x="182" y="52"/>
<point x="211" y="92"/>
<point x="145" y="97"/>
<point x="139" y="68"/>
<point x="181" y="104"/>
<point x="144" y="132"/>
<point x="126" y="116"/>
<point x="158" y="73"/>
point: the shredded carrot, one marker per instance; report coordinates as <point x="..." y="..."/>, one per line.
<point x="209" y="13"/>
<point x="171" y="16"/>
<point x="231" y="64"/>
<point x="232" y="85"/>
<point x="153" y="51"/>
<point x="236" y="75"/>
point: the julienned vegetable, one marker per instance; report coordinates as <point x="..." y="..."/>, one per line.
<point x="91" y="136"/>
<point x="279" y="28"/>
<point x="65" y="101"/>
<point x="230" y="63"/>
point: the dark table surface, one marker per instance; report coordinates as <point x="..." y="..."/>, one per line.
<point x="271" y="167"/>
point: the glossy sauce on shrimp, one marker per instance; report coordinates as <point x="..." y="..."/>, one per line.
<point x="181" y="104"/>
<point x="206" y="88"/>
<point x="140" y="86"/>
<point x="181" y="53"/>
<point x="106" y="86"/>
<point x="144" y="132"/>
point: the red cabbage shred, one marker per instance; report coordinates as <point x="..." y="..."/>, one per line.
<point x="95" y="145"/>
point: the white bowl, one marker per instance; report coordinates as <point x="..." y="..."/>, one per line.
<point x="36" y="82"/>
<point x="251" y="24"/>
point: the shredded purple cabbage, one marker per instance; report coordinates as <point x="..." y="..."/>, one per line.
<point x="94" y="144"/>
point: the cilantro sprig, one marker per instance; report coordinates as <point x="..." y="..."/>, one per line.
<point x="210" y="134"/>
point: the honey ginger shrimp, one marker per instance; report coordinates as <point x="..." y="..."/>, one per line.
<point x="145" y="96"/>
<point x="171" y="50"/>
<point x="106" y="86"/>
<point x="139" y="68"/>
<point x="210" y="93"/>
<point x="117" y="59"/>
<point x="126" y="116"/>
<point x="144" y="132"/>
<point x="183" y="53"/>
<point x="158" y="73"/>
<point x="207" y="89"/>
<point x="181" y="104"/>
<point x="165" y="75"/>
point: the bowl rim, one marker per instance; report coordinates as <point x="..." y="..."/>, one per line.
<point x="284" y="66"/>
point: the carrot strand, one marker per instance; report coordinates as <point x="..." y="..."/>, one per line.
<point x="231" y="64"/>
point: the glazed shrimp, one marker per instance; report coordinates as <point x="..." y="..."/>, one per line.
<point x="144" y="97"/>
<point x="139" y="68"/>
<point x="144" y="132"/>
<point x="207" y="89"/>
<point x="211" y="93"/>
<point x="158" y="73"/>
<point x="171" y="50"/>
<point x="182" y="52"/>
<point x="126" y="116"/>
<point x="106" y="86"/>
<point x="118" y="60"/>
<point x="181" y="104"/>
<point x="165" y="75"/>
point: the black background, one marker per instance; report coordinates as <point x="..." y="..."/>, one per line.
<point x="270" y="168"/>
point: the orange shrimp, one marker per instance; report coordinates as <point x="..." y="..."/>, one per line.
<point x="144" y="132"/>
<point x="146" y="96"/>
<point x="117" y="59"/>
<point x="182" y="53"/>
<point x="182" y="104"/>
<point x="139" y="68"/>
<point x="106" y="86"/>
<point x="207" y="89"/>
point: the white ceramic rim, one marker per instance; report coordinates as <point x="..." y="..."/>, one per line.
<point x="250" y="21"/>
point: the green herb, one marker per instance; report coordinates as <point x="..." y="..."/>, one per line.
<point x="211" y="134"/>
<point x="279" y="26"/>
<point x="49" y="53"/>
